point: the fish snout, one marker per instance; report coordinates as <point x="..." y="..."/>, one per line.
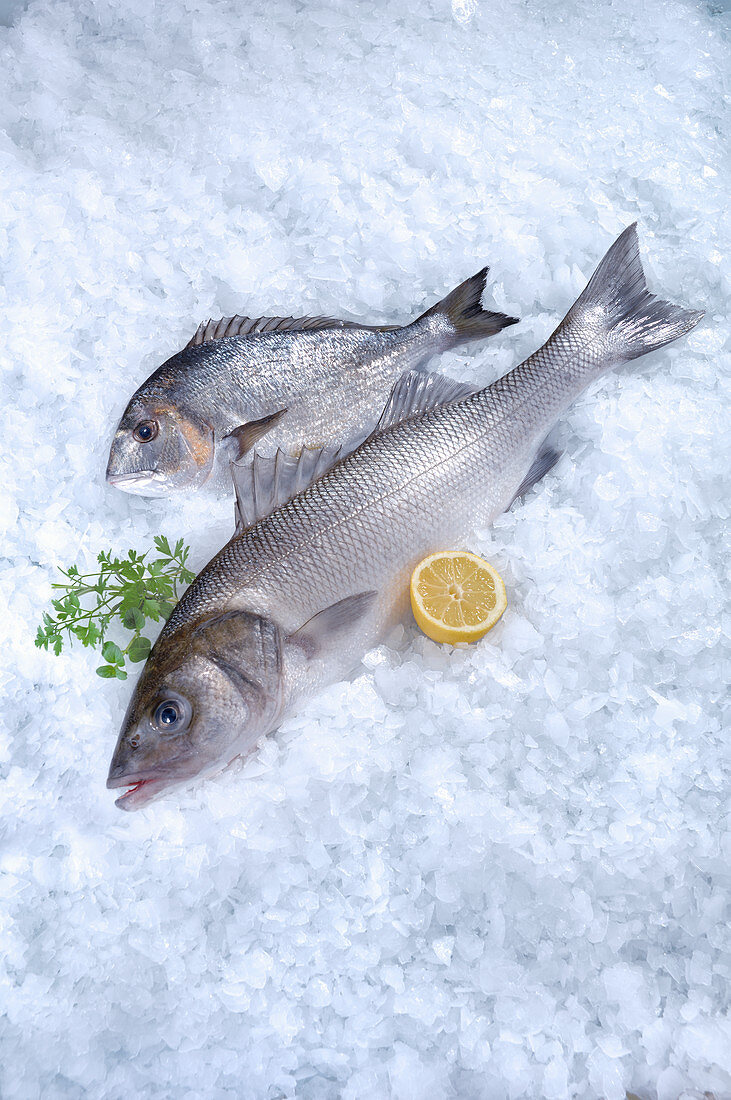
<point x="145" y="785"/>
<point x="146" y="483"/>
<point x="165" y="464"/>
<point x="143" y="788"/>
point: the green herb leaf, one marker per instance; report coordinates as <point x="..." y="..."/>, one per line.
<point x="139" y="649"/>
<point x="133" y="619"/>
<point x="112" y="653"/>
<point x="124" y="593"/>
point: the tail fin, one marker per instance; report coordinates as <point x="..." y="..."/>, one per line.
<point x="617" y="306"/>
<point x="464" y="315"/>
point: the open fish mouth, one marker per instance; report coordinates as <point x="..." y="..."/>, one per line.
<point x="142" y="789"/>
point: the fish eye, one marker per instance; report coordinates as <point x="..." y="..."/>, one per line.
<point x="172" y="715"/>
<point x="145" y="431"/>
<point x="167" y="715"/>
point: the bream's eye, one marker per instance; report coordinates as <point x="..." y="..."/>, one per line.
<point x="145" y="431"/>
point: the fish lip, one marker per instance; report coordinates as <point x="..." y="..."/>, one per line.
<point x="134" y="475"/>
<point x="142" y="482"/>
<point x="143" y="788"/>
<point x="141" y="791"/>
<point x="127" y="779"/>
<point x="146" y="786"/>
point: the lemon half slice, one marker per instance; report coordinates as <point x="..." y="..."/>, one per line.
<point x="456" y="596"/>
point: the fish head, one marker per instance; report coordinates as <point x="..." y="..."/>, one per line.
<point x="209" y="697"/>
<point x="160" y="449"/>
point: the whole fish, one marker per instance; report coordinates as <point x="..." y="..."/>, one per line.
<point x="298" y="381"/>
<point x="293" y="601"/>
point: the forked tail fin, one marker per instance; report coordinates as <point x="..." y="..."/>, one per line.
<point x="462" y="313"/>
<point x="618" y="307"/>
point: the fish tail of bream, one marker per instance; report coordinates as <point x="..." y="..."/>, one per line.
<point x="459" y="317"/>
<point x="615" y="319"/>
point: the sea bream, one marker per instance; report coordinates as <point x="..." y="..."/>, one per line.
<point x="281" y="382"/>
<point x="293" y="601"/>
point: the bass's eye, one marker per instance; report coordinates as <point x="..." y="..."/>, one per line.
<point x="172" y="715"/>
<point x="167" y="715"/>
<point x="145" y="431"/>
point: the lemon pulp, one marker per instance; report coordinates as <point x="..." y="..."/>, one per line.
<point x="456" y="596"/>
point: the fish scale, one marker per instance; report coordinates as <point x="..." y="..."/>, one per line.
<point x="295" y="600"/>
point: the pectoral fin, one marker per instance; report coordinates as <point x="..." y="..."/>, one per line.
<point x="324" y="627"/>
<point x="243" y="438"/>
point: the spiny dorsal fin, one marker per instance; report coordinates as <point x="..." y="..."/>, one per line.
<point x="418" y="391"/>
<point x="208" y="331"/>
<point x="267" y="483"/>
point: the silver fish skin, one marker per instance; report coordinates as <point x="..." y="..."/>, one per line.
<point x="287" y="382"/>
<point x="295" y="600"/>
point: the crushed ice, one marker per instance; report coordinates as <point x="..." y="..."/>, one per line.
<point x="501" y="872"/>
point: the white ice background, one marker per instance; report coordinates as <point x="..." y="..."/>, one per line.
<point x="495" y="872"/>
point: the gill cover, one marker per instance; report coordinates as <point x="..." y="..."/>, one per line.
<point x="247" y="648"/>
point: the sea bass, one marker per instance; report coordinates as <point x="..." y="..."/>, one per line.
<point x="296" y="381"/>
<point x="293" y="601"/>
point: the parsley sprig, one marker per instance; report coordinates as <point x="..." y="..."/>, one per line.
<point x="132" y="590"/>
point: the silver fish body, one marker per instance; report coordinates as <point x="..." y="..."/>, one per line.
<point x="280" y="383"/>
<point x="295" y="600"/>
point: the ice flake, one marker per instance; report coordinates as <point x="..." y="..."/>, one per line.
<point x="443" y="949"/>
<point x="464" y="10"/>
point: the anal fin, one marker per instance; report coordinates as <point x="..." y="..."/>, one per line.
<point x="268" y="483"/>
<point x="544" y="461"/>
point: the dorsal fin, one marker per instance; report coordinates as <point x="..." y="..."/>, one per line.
<point x="209" y="330"/>
<point x="264" y="484"/>
<point x="418" y="391"/>
<point x="267" y="483"/>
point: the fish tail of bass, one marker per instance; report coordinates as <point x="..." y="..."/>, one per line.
<point x="460" y="317"/>
<point x="616" y="318"/>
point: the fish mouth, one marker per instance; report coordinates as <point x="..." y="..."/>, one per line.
<point x="143" y="788"/>
<point x="145" y="483"/>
